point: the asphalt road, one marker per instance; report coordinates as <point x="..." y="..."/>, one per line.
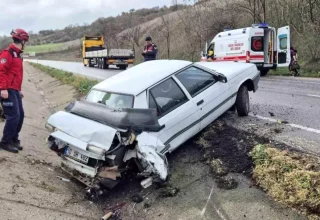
<point x="296" y="100"/>
<point x="77" y="67"/>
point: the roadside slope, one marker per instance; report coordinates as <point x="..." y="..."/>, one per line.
<point x="29" y="185"/>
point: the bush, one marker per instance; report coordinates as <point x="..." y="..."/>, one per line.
<point x="291" y="178"/>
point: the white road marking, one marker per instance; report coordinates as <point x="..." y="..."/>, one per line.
<point x="215" y="208"/>
<point x="318" y="96"/>
<point x="292" y="125"/>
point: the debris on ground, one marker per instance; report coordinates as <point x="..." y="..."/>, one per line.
<point x="137" y="198"/>
<point x="146" y="204"/>
<point x="114" y="212"/>
<point x="277" y="130"/>
<point x="169" y="191"/>
<point x="226" y="183"/>
<point x="271" y="114"/>
<point x="217" y="168"/>
<point x="63" y="179"/>
<point x="291" y="178"/>
<point x="3" y="159"/>
<point x="36" y="161"/>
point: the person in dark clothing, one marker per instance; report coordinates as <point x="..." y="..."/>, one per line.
<point x="11" y="76"/>
<point x="150" y="50"/>
<point x="293" y="61"/>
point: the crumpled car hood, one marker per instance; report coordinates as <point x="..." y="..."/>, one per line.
<point x="86" y="130"/>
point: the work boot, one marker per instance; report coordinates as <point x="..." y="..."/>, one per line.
<point x="8" y="147"/>
<point x="16" y="144"/>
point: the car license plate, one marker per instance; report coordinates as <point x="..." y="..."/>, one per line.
<point x="71" y="152"/>
<point x="120" y="62"/>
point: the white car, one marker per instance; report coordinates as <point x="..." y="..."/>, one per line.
<point x="127" y="123"/>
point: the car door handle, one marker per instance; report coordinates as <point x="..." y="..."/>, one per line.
<point x="200" y="102"/>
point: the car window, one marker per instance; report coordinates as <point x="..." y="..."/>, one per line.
<point x="167" y="97"/>
<point x="112" y="100"/>
<point x="195" y="80"/>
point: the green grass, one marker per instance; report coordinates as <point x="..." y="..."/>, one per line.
<point x="45" y="48"/>
<point x="284" y="71"/>
<point x="81" y="84"/>
<point x="291" y="178"/>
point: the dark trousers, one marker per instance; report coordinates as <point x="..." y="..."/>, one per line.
<point x="14" y="114"/>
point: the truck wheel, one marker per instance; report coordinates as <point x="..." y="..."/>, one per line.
<point x="104" y="65"/>
<point x="263" y="72"/>
<point x="242" y="101"/>
<point x="90" y="63"/>
<point x="98" y="63"/>
<point x="101" y="63"/>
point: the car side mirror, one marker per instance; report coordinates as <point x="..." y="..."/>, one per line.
<point x="222" y="79"/>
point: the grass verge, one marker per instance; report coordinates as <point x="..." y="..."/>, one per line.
<point x="81" y="84"/>
<point x="284" y="71"/>
<point x="45" y="48"/>
<point x="291" y="178"/>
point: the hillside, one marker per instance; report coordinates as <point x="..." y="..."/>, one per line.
<point x="181" y="31"/>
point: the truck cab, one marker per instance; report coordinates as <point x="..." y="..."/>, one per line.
<point x="260" y="44"/>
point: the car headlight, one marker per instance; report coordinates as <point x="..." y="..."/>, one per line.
<point x="95" y="150"/>
<point x="50" y="127"/>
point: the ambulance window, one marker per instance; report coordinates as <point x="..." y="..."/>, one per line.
<point x="257" y="43"/>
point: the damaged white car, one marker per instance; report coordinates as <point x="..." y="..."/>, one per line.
<point x="127" y="123"/>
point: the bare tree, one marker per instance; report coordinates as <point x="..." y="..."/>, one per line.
<point x="166" y="32"/>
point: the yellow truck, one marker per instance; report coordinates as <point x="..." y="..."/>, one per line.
<point x="95" y="54"/>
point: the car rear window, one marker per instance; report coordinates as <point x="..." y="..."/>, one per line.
<point x="111" y="100"/>
<point x="257" y="44"/>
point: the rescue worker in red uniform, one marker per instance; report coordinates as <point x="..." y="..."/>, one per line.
<point x="150" y="50"/>
<point x="11" y="76"/>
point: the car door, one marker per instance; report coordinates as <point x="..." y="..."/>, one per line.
<point x="176" y="112"/>
<point x="283" y="46"/>
<point x="210" y="95"/>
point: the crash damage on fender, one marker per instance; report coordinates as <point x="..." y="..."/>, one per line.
<point x="101" y="147"/>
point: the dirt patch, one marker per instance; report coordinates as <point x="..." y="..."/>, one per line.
<point x="227" y="149"/>
<point x="289" y="177"/>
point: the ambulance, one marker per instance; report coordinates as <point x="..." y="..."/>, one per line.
<point x="259" y="44"/>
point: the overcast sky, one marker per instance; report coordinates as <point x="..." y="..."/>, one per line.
<point x="38" y="15"/>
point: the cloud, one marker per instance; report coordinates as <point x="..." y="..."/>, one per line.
<point x="38" y="15"/>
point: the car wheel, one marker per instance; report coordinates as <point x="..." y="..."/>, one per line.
<point x="242" y="101"/>
<point x="264" y="72"/>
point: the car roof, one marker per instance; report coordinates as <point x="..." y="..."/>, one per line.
<point x="142" y="76"/>
<point x="227" y="68"/>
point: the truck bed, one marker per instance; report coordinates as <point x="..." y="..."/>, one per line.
<point x="112" y="53"/>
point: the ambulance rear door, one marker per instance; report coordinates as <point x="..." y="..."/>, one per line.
<point x="256" y="46"/>
<point x="283" y="46"/>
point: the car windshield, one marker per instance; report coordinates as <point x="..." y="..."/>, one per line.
<point x="111" y="100"/>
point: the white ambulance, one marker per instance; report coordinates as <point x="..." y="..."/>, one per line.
<point x="259" y="44"/>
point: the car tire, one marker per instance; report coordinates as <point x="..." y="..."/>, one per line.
<point x="123" y="67"/>
<point x="242" y="101"/>
<point x="104" y="65"/>
<point x="263" y="72"/>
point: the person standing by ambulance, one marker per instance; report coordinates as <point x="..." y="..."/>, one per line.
<point x="150" y="50"/>
<point x="11" y="76"/>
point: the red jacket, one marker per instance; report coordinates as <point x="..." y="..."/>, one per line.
<point x="11" y="68"/>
